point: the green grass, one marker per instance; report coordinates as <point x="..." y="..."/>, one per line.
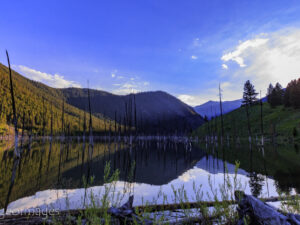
<point x="280" y="121"/>
<point x="97" y="209"/>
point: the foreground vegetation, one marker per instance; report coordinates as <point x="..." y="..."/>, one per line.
<point x="99" y="211"/>
<point x="218" y="208"/>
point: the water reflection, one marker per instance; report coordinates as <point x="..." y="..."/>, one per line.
<point x="62" y="166"/>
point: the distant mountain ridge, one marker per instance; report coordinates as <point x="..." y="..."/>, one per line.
<point x="155" y="107"/>
<point x="212" y="108"/>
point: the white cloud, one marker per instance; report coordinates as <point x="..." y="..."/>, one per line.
<point x="194" y="57"/>
<point x="127" y="88"/>
<point x="55" y="80"/>
<point x="272" y="59"/>
<point x="113" y="75"/>
<point x="192" y="100"/>
<point x="197" y="43"/>
<point x="229" y="92"/>
<point x="130" y="85"/>
<point x="186" y="98"/>
<point x="224" y="66"/>
<point x="198" y="99"/>
<point x="240" y="50"/>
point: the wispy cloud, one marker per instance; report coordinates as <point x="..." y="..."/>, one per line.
<point x="274" y="58"/>
<point x="197" y="43"/>
<point x="126" y="88"/>
<point x="242" y="49"/>
<point x="228" y="91"/>
<point x="224" y="66"/>
<point x="197" y="99"/>
<point x="194" y="57"/>
<point x="130" y="85"/>
<point x="189" y="99"/>
<point x="53" y="80"/>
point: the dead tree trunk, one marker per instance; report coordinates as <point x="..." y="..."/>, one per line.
<point x="15" y="119"/>
<point x="221" y="114"/>
<point x="261" y="121"/>
<point x="51" y="123"/>
<point x="91" y="142"/>
<point x="248" y="122"/>
<point x="260" y="212"/>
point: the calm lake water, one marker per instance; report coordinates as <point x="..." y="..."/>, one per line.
<point x="53" y="174"/>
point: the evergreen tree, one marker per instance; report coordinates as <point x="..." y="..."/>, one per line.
<point x="269" y="93"/>
<point x="249" y="95"/>
<point x="292" y="94"/>
<point x="277" y="95"/>
<point x="287" y="95"/>
<point x="295" y="95"/>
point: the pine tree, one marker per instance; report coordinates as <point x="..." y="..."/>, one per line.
<point x="277" y="95"/>
<point x="269" y="93"/>
<point x="292" y="94"/>
<point x="249" y="95"/>
<point x="295" y="95"/>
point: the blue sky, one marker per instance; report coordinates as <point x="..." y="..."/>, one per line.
<point x="183" y="47"/>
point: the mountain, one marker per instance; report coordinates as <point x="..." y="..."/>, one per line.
<point x="34" y="100"/>
<point x="212" y="108"/>
<point x="153" y="109"/>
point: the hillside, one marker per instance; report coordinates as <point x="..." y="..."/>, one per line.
<point x="280" y="121"/>
<point x="153" y="109"/>
<point x="212" y="108"/>
<point x="34" y="99"/>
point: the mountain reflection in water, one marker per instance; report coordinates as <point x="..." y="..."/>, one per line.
<point x="48" y="173"/>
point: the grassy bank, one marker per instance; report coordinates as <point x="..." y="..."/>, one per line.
<point x="279" y="122"/>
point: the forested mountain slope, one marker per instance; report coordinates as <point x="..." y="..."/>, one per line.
<point x="37" y="102"/>
<point x="34" y="100"/>
<point x="153" y="109"/>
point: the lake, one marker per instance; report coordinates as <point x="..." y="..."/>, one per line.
<point x="61" y="175"/>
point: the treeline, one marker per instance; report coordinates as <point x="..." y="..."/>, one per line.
<point x="289" y="97"/>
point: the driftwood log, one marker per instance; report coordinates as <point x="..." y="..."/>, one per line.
<point x="261" y="213"/>
<point x="248" y="207"/>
